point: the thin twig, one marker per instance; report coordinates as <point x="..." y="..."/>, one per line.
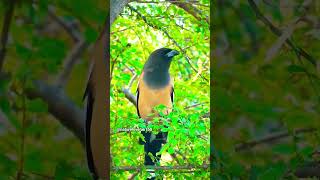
<point x="5" y="31"/>
<point x="195" y="105"/>
<point x="74" y="33"/>
<point x="132" y="80"/>
<point x="73" y="55"/>
<point x="278" y="32"/>
<point x="182" y="155"/>
<point x="271" y="137"/>
<point x="124" y="29"/>
<point x="174" y="156"/>
<point x="71" y="59"/>
<point x="126" y="90"/>
<point x="195" y="12"/>
<point x="309" y="76"/>
<point x="206" y="115"/>
<point x="114" y="61"/>
<point x="141" y="43"/>
<point x="134" y="175"/>
<point x="22" y="133"/>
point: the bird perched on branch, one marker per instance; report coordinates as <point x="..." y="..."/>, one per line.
<point x="155" y="88"/>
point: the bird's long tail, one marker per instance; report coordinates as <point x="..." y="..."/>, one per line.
<point x="153" y="144"/>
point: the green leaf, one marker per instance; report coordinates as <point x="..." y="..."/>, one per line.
<point x="295" y="68"/>
<point x="284" y="148"/>
<point x="4" y="82"/>
<point x="50" y="49"/>
<point x="274" y="172"/>
<point x="306" y="152"/>
<point x="37" y="105"/>
<point x="236" y="169"/>
<point x="33" y="161"/>
<point x="63" y="171"/>
<point x="171" y="150"/>
<point x="91" y="35"/>
<point x="7" y="165"/>
<point x="23" y="52"/>
<point x="5" y="105"/>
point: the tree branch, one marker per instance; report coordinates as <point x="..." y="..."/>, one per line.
<point x="69" y="62"/>
<point x="164" y="168"/>
<point x="74" y="34"/>
<point x="309" y="170"/>
<point x="116" y="9"/>
<point x="195" y="12"/>
<point x="5" y="31"/>
<point x="60" y="106"/>
<point x="132" y="98"/>
<point x="270" y="138"/>
<point x="278" y="32"/>
<point x="132" y="176"/>
<point x="73" y="55"/>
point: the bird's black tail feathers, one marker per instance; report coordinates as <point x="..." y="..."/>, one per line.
<point x="90" y="101"/>
<point x="153" y="144"/>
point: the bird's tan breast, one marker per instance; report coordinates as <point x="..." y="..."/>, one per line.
<point x="150" y="98"/>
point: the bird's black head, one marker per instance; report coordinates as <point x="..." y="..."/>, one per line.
<point x="157" y="67"/>
<point x="160" y="59"/>
<point x="165" y="54"/>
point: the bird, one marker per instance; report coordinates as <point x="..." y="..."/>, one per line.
<point x="155" y="87"/>
<point x="97" y="126"/>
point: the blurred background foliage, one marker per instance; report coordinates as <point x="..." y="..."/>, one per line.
<point x="42" y="37"/>
<point x="141" y="28"/>
<point x="266" y="89"/>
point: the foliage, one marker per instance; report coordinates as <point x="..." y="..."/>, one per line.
<point x="133" y="38"/>
<point x="263" y="87"/>
<point x="36" y="49"/>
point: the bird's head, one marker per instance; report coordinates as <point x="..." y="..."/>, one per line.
<point x="161" y="58"/>
<point x="157" y="67"/>
<point x="164" y="54"/>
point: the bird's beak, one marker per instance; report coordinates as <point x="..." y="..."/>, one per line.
<point x="172" y="53"/>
